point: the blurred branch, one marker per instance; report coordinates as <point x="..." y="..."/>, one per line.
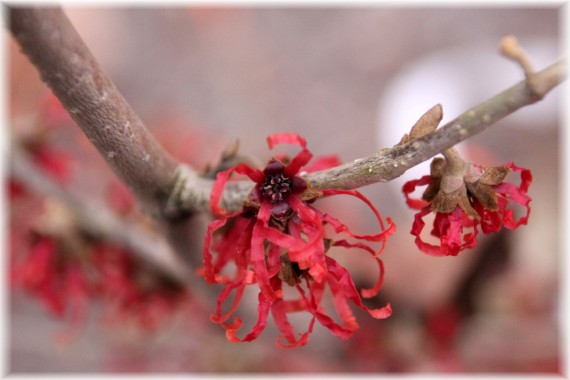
<point x="98" y="220"/>
<point x="67" y="66"/>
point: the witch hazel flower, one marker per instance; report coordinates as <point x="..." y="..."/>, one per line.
<point x="279" y="239"/>
<point x="465" y="197"/>
<point x="67" y="268"/>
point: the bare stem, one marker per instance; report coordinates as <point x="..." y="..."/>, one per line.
<point x="388" y="164"/>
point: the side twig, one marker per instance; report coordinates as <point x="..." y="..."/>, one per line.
<point x="193" y="193"/>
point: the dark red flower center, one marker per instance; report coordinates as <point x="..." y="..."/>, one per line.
<point x="275" y="187"/>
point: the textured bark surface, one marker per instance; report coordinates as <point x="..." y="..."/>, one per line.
<point x="67" y="66"/>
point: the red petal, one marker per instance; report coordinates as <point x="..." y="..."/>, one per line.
<point x="341" y="274"/>
<point x="410" y="186"/>
<point x="279" y="311"/>
<point x="342" y="288"/>
<point x="526" y="176"/>
<point x="258" y="252"/>
<point x="510" y="191"/>
<point x="224" y="294"/>
<point x="318" y="312"/>
<point x="222" y="178"/>
<point x="301" y="159"/>
<point x="449" y="229"/>
<point x="322" y="163"/>
<point x="54" y="162"/>
<point x="367" y="293"/>
<point x="340" y="227"/>
<point x="311" y="225"/>
<point x="235" y="244"/>
<point x="491" y="221"/>
<point x="206" y="252"/>
<point x="286" y="138"/>
<point x="273" y="260"/>
<point x="263" y="312"/>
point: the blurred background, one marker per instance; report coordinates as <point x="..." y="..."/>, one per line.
<point x="351" y="81"/>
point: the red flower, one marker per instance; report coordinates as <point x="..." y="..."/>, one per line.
<point x="61" y="286"/>
<point x="480" y="199"/>
<point x="66" y="281"/>
<point x="38" y="274"/>
<point x="279" y="237"/>
<point x="55" y="163"/>
<point x="147" y="303"/>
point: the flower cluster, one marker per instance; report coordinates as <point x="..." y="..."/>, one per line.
<point x="67" y="281"/>
<point x="466" y="196"/>
<point x="279" y="238"/>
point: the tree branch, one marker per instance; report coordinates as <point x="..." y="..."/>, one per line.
<point x="391" y="163"/>
<point x="67" y="66"/>
<point x="193" y="193"/>
<point x="172" y="190"/>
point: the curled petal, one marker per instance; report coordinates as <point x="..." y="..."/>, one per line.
<point x="311" y="225"/>
<point x="286" y="138"/>
<point x="206" y="252"/>
<point x="341" y="274"/>
<point x="301" y="159"/>
<point x="322" y="163"/>
<point x="508" y="217"/>
<point x="491" y="221"/>
<point x="279" y="310"/>
<point x="367" y="293"/>
<point x="262" y="311"/>
<point x="313" y="307"/>
<point x="343" y="290"/>
<point x="410" y="186"/>
<point x="526" y="176"/>
<point x="235" y="244"/>
<point x="222" y="178"/>
<point x="258" y="252"/>
<point x="510" y="191"/>
<point x="449" y="229"/>
<point x="340" y="227"/>
<point x="280" y="317"/>
<point x="239" y="287"/>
